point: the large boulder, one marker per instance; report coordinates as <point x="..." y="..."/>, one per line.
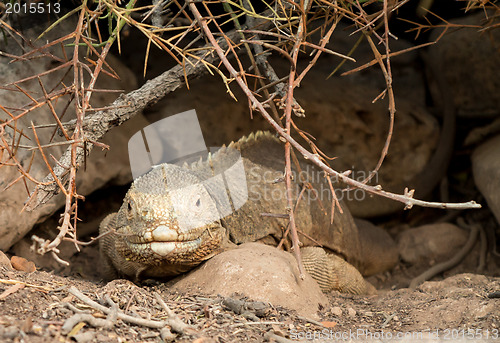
<point x="259" y="272"/>
<point x="469" y="60"/>
<point x="486" y="169"/>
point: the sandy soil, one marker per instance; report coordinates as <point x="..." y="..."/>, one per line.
<point x="37" y="307"/>
<point x="40" y="306"/>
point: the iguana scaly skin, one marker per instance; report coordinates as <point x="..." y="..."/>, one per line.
<point x="168" y="221"/>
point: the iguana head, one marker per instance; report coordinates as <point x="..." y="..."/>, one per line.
<point x="168" y="220"/>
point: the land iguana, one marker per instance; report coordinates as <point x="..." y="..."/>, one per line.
<point x="169" y="221"/>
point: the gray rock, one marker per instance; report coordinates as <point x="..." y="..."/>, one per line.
<point x="486" y="170"/>
<point x="434" y="242"/>
<point x="470" y="62"/>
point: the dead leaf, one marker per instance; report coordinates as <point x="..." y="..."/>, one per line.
<point x="27" y="324"/>
<point x="329" y="324"/>
<point x="76" y="329"/>
<point x="278" y="331"/>
<point x="22" y="264"/>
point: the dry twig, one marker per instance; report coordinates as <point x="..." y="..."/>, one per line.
<point x="444" y="266"/>
<point x="172" y="320"/>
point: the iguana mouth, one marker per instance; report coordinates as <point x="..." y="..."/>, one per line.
<point x="166" y="248"/>
<point x="165" y="241"/>
<point x="165" y="233"/>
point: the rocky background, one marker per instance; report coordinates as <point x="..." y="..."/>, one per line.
<point x="219" y="302"/>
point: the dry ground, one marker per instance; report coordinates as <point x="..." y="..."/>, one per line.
<point x="35" y="307"/>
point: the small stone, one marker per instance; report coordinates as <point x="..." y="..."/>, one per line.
<point x="351" y="312"/>
<point x="84" y="337"/>
<point x="167" y="335"/>
<point x="336" y="311"/>
<point x="10" y="332"/>
<point x="37" y="329"/>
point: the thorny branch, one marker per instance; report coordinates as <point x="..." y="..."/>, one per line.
<point x="87" y="129"/>
<point x="285" y="27"/>
<point x="407" y="198"/>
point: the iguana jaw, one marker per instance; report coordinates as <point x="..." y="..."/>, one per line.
<point x="164" y="233"/>
<point x="170" y="246"/>
<point x="159" y="259"/>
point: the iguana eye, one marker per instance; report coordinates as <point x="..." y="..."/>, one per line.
<point x="198" y="202"/>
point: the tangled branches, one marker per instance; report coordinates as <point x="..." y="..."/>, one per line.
<point x="196" y="35"/>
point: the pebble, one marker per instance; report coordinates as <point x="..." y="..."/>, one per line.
<point x="351" y="312"/>
<point x="336" y="311"/>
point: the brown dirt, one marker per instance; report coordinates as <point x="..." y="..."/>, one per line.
<point x="457" y="306"/>
<point x="37" y="311"/>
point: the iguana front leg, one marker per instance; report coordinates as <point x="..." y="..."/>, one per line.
<point x="106" y="247"/>
<point x="110" y="257"/>
<point x="332" y="272"/>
